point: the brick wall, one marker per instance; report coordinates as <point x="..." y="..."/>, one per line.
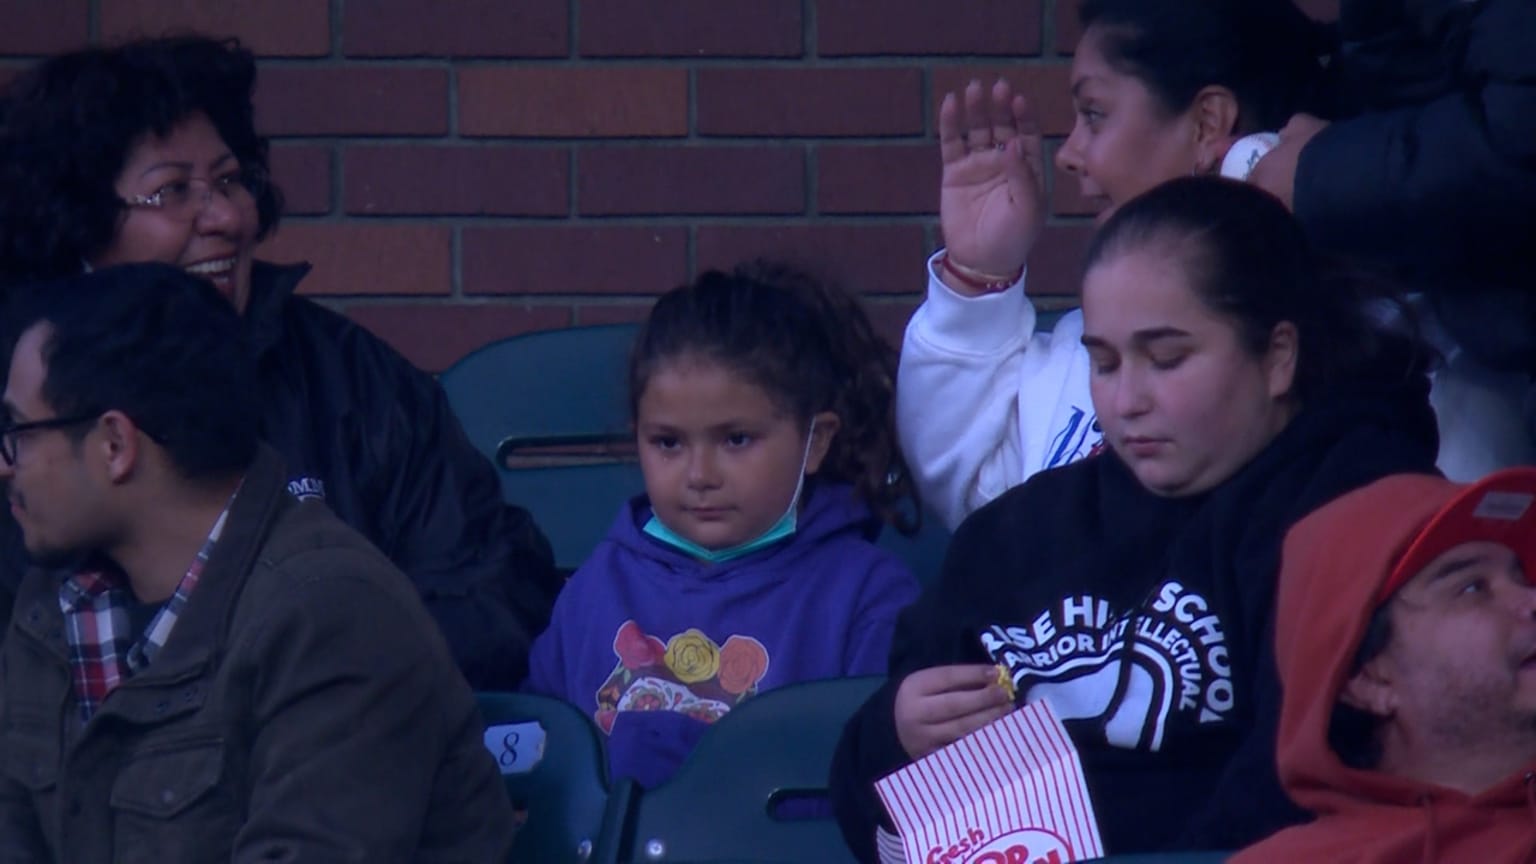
<point x="462" y="170"/>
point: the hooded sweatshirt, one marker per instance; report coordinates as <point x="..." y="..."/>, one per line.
<point x="1146" y="621"/>
<point x="1326" y="599"/>
<point x="655" y="645"/>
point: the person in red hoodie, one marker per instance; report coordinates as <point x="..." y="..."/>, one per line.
<point x="1406" y="640"/>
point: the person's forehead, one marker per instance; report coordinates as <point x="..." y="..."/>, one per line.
<point x="1471" y="555"/>
<point x="24" y="381"/>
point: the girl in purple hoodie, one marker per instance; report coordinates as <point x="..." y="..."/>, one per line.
<point x="763" y="409"/>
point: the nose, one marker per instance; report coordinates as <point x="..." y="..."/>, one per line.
<point x="219" y="212"/>
<point x="1131" y="397"/>
<point x="703" y="469"/>
<point x="1069" y="156"/>
<point x="1523" y="599"/>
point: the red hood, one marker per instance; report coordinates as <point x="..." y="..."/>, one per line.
<point x="1328" y="581"/>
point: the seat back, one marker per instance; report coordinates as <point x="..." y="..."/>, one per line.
<point x="923" y="552"/>
<point x="564" y="385"/>
<point x="550" y="409"/>
<point x="773" y="752"/>
<point x="573" y="504"/>
<point x="558" y="784"/>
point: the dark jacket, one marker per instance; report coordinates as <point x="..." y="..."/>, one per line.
<point x="821" y="604"/>
<point x="303" y="709"/>
<point x="1146" y="621"/>
<point x="1431" y="167"/>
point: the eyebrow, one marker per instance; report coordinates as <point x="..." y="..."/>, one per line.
<point x="1141" y="338"/>
<point x="726" y="425"/>
<point x="184" y="165"/>
<point x="1078" y="85"/>
<point x="1452" y="567"/>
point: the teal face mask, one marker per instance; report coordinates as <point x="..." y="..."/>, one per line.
<point x="783" y="527"/>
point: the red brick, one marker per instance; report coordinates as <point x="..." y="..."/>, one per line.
<point x="1066" y="199"/>
<point x="691" y="28"/>
<point x="303" y="172"/>
<point x="463" y="28"/>
<point x="889" y="316"/>
<point x="566" y="102"/>
<point x="1056" y="263"/>
<point x="901" y="178"/>
<point x="629" y="312"/>
<point x="287" y="28"/>
<point x="810" y="102"/>
<point x="573" y="259"/>
<point x="662" y="180"/>
<point x="884" y="259"/>
<point x="435" y="336"/>
<point x="1047" y="86"/>
<point x="40" y="27"/>
<point x="522" y="181"/>
<point x="352" y="101"/>
<point x="353" y="258"/>
<point x="869" y="27"/>
<point x="1068" y="29"/>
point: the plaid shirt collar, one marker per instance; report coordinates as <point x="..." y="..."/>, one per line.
<point x="103" y="652"/>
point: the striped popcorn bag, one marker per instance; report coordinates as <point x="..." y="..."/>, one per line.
<point x="1009" y="793"/>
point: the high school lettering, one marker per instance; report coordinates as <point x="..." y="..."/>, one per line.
<point x="1171" y="650"/>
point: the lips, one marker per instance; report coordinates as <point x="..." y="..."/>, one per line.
<point x="1529" y="661"/>
<point x="1142" y="446"/>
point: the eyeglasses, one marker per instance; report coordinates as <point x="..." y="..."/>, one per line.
<point x="10" y="431"/>
<point x="185" y="200"/>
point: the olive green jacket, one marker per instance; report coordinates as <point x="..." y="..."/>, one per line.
<point x="304" y="708"/>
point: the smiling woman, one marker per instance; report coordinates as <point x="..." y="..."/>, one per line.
<point x="102" y="146"/>
<point x="187" y="205"/>
<point x="147" y="152"/>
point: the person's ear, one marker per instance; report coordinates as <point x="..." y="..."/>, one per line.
<point x="117" y="444"/>
<point x="1280" y="359"/>
<point x="824" y="430"/>
<point x="1214" y="113"/>
<point x="1370" y="690"/>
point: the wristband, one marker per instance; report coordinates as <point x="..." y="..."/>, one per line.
<point x="977" y="280"/>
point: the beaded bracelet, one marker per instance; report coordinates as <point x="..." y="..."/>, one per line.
<point x="977" y="280"/>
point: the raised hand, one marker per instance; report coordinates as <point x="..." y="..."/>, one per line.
<point x="992" y="198"/>
<point x="942" y="704"/>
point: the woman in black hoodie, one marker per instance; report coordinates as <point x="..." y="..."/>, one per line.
<point x="1239" y="388"/>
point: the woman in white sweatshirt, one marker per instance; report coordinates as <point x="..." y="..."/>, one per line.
<point x="1161" y="88"/>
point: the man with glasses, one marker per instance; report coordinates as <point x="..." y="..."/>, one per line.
<point x="202" y="667"/>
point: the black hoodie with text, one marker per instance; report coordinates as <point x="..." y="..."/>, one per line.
<point x="1146" y="621"/>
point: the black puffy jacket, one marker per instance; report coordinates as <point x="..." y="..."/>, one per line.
<point x="1432" y="168"/>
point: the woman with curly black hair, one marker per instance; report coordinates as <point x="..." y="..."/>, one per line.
<point x="148" y="152"/>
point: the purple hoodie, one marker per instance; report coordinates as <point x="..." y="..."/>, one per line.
<point x="655" y="645"/>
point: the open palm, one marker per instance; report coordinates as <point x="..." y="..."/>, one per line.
<point x="991" y="198"/>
